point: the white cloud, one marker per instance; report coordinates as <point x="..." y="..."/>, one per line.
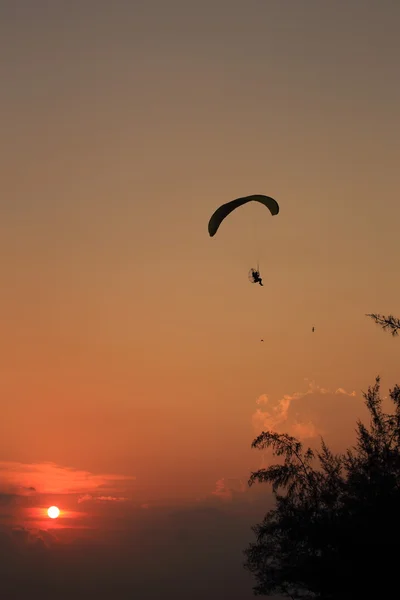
<point x="277" y="416"/>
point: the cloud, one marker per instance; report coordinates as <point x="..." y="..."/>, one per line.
<point x="90" y="498"/>
<point x="23" y="537"/>
<point x="304" y="431"/>
<point x="281" y="416"/>
<point x="7" y="499"/>
<point x="182" y="551"/>
<point x="107" y="543"/>
<point x="342" y="391"/>
<point x="227" y="488"/>
<point x="49" y="478"/>
<point x="110" y="499"/>
<point x="85" y="498"/>
<point x="263" y="399"/>
<point x="27" y="490"/>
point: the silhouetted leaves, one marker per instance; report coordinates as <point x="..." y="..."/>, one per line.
<point x="336" y="522"/>
<point x="390" y="322"/>
<point x="335" y="528"/>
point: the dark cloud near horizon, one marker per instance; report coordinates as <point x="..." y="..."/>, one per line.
<point x="7" y="499"/>
<point x="180" y="552"/>
<point x="107" y="546"/>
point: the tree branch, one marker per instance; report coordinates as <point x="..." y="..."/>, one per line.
<point x="390" y="322"/>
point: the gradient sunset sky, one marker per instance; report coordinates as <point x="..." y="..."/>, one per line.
<point x="132" y="375"/>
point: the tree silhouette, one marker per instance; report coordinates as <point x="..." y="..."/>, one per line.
<point x="334" y="531"/>
<point x="390" y="322"/>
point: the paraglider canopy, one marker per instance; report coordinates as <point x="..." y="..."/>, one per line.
<point x="223" y="211"/>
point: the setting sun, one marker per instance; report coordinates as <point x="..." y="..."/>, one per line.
<point x="53" y="512"/>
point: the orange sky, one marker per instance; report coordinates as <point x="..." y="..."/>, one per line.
<point x="130" y="340"/>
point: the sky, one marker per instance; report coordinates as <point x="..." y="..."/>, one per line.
<point x="133" y="378"/>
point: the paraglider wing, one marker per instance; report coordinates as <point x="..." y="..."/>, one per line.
<point x="225" y="210"/>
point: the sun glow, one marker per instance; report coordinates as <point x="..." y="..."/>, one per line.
<point x="53" y="512"/>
